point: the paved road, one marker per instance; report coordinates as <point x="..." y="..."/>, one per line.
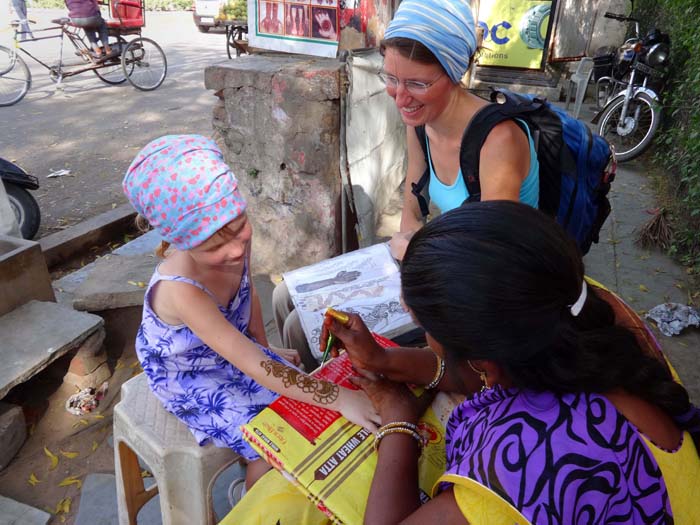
<point x="95" y="130"/>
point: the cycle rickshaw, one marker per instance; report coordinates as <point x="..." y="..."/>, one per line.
<point x="135" y="58"/>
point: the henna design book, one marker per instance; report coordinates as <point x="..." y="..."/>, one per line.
<point x="366" y="282"/>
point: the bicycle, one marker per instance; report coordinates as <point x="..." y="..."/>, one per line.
<point x="140" y="60"/>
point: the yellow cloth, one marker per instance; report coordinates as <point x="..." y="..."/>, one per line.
<point x="273" y="500"/>
<point x="681" y="471"/>
<point x="480" y="505"/>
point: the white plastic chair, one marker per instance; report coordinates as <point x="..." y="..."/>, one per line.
<point x="184" y="471"/>
<point x="580" y="79"/>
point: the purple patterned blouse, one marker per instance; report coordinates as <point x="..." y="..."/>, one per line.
<point x="568" y="460"/>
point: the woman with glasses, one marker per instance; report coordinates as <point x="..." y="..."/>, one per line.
<point x="428" y="48"/>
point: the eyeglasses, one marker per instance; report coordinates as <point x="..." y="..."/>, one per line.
<point x="412" y="86"/>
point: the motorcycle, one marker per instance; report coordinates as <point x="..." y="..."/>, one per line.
<point x="628" y="84"/>
<point x="17" y="183"/>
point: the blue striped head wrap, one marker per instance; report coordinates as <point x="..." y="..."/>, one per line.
<point x="445" y="27"/>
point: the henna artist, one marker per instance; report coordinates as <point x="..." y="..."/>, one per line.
<point x="202" y="341"/>
<point x="577" y="418"/>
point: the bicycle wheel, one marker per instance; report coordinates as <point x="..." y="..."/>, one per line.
<point x="144" y="64"/>
<point x="633" y="136"/>
<point x="15" y="78"/>
<point x="112" y="72"/>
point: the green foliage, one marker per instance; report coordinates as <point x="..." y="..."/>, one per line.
<point x="678" y="154"/>
<point x="234" y="10"/>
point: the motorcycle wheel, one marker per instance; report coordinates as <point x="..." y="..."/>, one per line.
<point x="635" y="135"/>
<point x="26" y="210"/>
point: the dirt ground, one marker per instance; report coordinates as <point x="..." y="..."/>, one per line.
<point x="79" y="442"/>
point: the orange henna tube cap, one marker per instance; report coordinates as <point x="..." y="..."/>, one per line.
<point x="338" y="316"/>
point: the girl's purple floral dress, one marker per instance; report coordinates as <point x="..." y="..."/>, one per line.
<point x="206" y="392"/>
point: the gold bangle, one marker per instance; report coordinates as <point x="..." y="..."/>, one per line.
<point x="396" y="424"/>
<point x="439" y="373"/>
<point x="398" y="430"/>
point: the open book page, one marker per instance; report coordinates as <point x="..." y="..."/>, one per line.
<point x="332" y="460"/>
<point x="366" y="282"/>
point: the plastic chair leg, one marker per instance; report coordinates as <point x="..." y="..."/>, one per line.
<point x="581" y="88"/>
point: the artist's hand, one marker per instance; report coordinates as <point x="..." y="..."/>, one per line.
<point x="398" y="244"/>
<point x="357" y="407"/>
<point x="364" y="352"/>
<point x="325" y="26"/>
<point x="394" y="401"/>
<point x="289" y="354"/>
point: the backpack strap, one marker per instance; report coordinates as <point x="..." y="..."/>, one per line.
<point x="418" y="187"/>
<point x="505" y="106"/>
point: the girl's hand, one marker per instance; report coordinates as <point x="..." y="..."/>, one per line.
<point x="289" y="354"/>
<point x="357" y="407"/>
<point x="394" y="401"/>
<point x="364" y="352"/>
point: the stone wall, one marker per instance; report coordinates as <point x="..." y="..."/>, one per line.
<point x="277" y="120"/>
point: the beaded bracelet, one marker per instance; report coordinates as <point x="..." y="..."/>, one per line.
<point x="439" y="373"/>
<point x="398" y="430"/>
<point x="396" y="424"/>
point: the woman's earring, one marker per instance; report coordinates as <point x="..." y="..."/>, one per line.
<point x="482" y="375"/>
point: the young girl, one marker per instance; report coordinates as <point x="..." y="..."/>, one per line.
<point x="202" y="340"/>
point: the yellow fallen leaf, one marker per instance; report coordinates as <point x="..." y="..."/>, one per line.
<point x="84" y="422"/>
<point x="132" y="283"/>
<point x="63" y="506"/>
<point x="98" y="416"/>
<point x="140" y="284"/>
<point x="683" y="344"/>
<point x="120" y="364"/>
<point x="70" y="480"/>
<point x="33" y="480"/>
<point x="95" y="444"/>
<point x="134" y="364"/>
<point x="643" y="288"/>
<point x="679" y="285"/>
<point x="63" y="519"/>
<point x="146" y="474"/>
<point x="69" y="455"/>
<point x="53" y="457"/>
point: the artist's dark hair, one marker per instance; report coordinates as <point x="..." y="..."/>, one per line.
<point x="494" y="280"/>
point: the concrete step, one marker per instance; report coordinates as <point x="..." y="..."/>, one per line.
<point x="15" y="513"/>
<point x="111" y="281"/>
<point x="36" y="334"/>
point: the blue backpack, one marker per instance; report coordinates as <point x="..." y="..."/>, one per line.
<point x="576" y="166"/>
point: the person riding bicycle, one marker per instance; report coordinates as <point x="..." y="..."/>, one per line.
<point x="86" y="15"/>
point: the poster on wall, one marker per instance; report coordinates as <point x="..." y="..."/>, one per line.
<point x="516" y="32"/>
<point x="309" y="27"/>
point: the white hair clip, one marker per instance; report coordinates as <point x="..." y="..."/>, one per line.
<point x="578" y="305"/>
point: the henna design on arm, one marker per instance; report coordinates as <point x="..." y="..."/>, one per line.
<point x="324" y="393"/>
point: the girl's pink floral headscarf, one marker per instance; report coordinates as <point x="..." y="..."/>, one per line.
<point x="183" y="187"/>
